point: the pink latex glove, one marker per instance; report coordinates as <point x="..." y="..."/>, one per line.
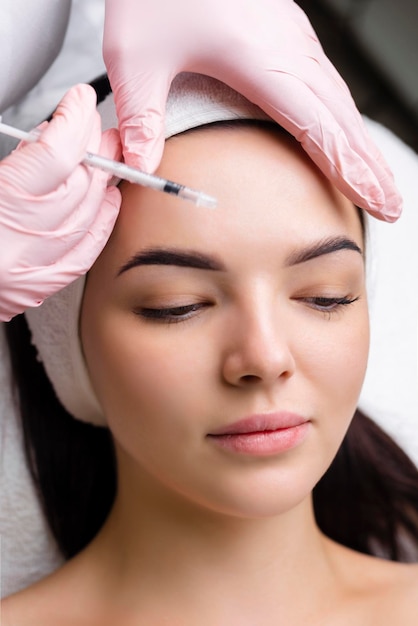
<point x="264" y="49"/>
<point x="55" y="215"/>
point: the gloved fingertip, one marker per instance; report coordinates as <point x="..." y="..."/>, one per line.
<point x="111" y="146"/>
<point x="109" y="212"/>
<point x="113" y="197"/>
<point x="83" y="92"/>
<point x="42" y="126"/>
<point x="389" y="204"/>
<point x="385" y="204"/>
<point x="146" y="155"/>
<point x="383" y="216"/>
<point x="135" y="160"/>
<point x="79" y="102"/>
<point x="391" y="212"/>
<point x="112" y="134"/>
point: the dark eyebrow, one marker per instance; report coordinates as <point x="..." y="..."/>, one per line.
<point x="171" y="256"/>
<point x="198" y="260"/>
<point x="319" y="248"/>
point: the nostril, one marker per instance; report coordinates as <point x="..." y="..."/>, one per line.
<point x="250" y="378"/>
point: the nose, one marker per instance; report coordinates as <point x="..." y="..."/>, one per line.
<point x="258" y="350"/>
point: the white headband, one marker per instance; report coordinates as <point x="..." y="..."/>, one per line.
<point x="194" y="100"/>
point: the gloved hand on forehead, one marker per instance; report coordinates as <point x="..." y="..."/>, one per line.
<point x="267" y="51"/>
<point x="55" y="214"/>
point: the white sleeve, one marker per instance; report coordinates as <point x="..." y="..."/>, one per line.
<point x="31" y="36"/>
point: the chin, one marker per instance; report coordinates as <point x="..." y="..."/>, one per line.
<point x="273" y="494"/>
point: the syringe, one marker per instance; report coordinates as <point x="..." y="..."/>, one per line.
<point x="121" y="170"/>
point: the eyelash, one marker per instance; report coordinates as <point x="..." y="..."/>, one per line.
<point x="171" y="315"/>
<point x="177" y="314"/>
<point x="329" y="306"/>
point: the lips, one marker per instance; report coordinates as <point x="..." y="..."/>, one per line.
<point x="261" y="423"/>
<point x="262" y="435"/>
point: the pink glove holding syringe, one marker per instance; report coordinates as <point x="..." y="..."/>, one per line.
<point x="55" y="214"/>
<point x="264" y="49"/>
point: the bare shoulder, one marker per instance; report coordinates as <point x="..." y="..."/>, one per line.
<point x="49" y="602"/>
<point x="40" y="603"/>
<point x="395" y="594"/>
<point x="386" y="589"/>
<point x="70" y="596"/>
<point x="399" y="598"/>
<point x="406" y="580"/>
<point x="22" y="608"/>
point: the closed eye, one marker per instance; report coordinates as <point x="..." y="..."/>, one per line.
<point x="329" y="304"/>
<point x="171" y="315"/>
<point x="176" y="314"/>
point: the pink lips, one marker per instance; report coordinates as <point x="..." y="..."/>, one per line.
<point x="262" y="435"/>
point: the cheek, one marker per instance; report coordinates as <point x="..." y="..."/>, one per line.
<point x="145" y="380"/>
<point x="335" y="363"/>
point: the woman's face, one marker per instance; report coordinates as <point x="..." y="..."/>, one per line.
<point x="195" y="319"/>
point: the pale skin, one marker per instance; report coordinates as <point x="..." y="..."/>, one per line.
<point x="199" y="534"/>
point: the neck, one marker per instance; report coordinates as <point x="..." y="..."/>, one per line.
<point x="157" y="541"/>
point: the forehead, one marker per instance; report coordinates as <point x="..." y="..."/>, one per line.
<point x="270" y="195"/>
